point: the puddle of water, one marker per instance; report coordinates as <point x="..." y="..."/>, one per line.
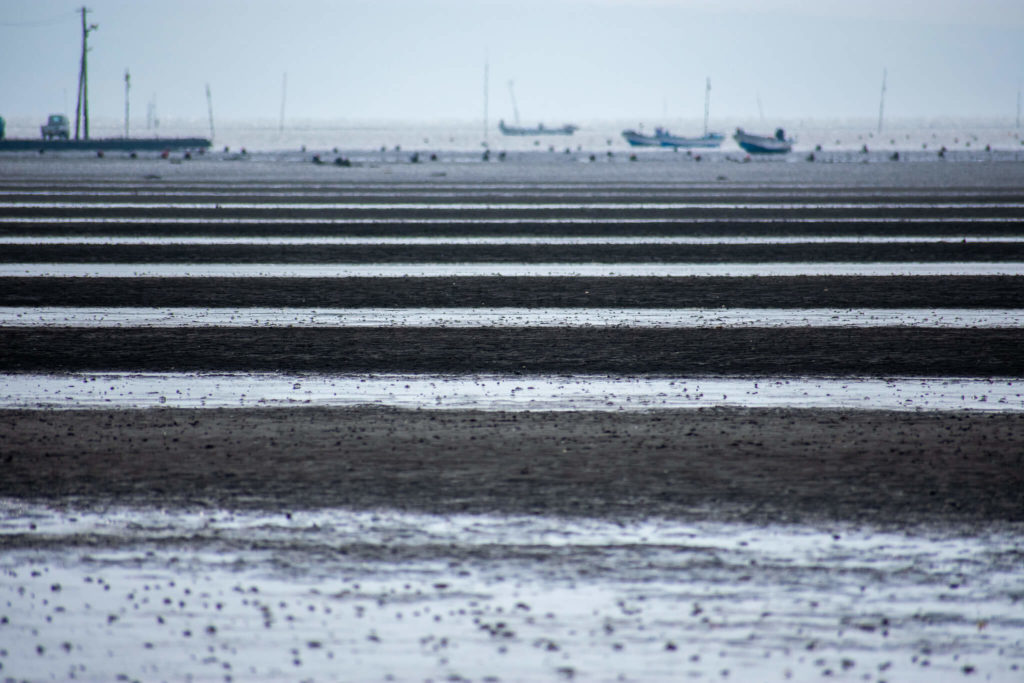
<point x="499" y="392"/>
<point x="337" y="595"/>
<point x="508" y="317"/>
<point x="57" y="270"/>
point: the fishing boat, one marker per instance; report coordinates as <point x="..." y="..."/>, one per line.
<point x="540" y="129"/>
<point x="567" y="129"/>
<point x="637" y="139"/>
<point x="763" y="144"/>
<point x="663" y="138"/>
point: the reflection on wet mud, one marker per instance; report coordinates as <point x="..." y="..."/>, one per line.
<point x="338" y="595"/>
<point x="175" y="317"/>
<point x="307" y="270"/>
<point x="500" y="392"/>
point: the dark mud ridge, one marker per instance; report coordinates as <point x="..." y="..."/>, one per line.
<point x="515" y="253"/>
<point x="994" y="291"/>
<point x="883" y="351"/>
<point x="732" y="464"/>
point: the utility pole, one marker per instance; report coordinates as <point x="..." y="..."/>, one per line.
<point x="487" y="68"/>
<point x="1018" y="107"/>
<point x="881" y="103"/>
<point x="209" y="108"/>
<point x="82" y="106"/>
<point x="127" y="87"/>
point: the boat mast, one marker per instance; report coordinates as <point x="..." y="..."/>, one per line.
<point x="881" y="103"/>
<point x="707" y="104"/>
<point x="127" y="87"/>
<point x="515" y="109"/>
<point x="209" y="108"/>
<point x="82" y="105"/>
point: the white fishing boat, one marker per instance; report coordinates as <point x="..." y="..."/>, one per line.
<point x="540" y="129"/>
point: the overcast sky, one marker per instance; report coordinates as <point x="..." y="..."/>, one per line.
<point x="570" y="59"/>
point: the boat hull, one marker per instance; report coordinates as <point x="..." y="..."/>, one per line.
<point x="539" y="130"/>
<point x="640" y="140"/>
<point x="762" y="144"/>
<point x="706" y="142"/>
<point x="636" y="139"/>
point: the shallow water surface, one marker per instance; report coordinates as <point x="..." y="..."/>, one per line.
<point x="958" y="318"/>
<point x="337" y="595"/>
<point x="500" y="392"/>
<point x="59" y="270"/>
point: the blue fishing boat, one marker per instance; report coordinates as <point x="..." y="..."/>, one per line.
<point x="764" y="144"/>
<point x="663" y="138"/>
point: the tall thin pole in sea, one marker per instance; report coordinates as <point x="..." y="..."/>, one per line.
<point x="127" y="87"/>
<point x="487" y="68"/>
<point x="881" y="103"/>
<point x="209" y="108"/>
<point x="707" y="104"/>
<point x="512" y="93"/>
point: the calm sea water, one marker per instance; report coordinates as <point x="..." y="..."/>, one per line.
<point x="597" y="136"/>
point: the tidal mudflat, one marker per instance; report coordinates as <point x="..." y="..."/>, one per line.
<point x="757" y="421"/>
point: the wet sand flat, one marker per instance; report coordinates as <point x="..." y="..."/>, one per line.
<point x="490" y="543"/>
<point x="820" y="253"/>
<point x="727" y="464"/>
<point x="921" y="291"/>
<point x="627" y="351"/>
